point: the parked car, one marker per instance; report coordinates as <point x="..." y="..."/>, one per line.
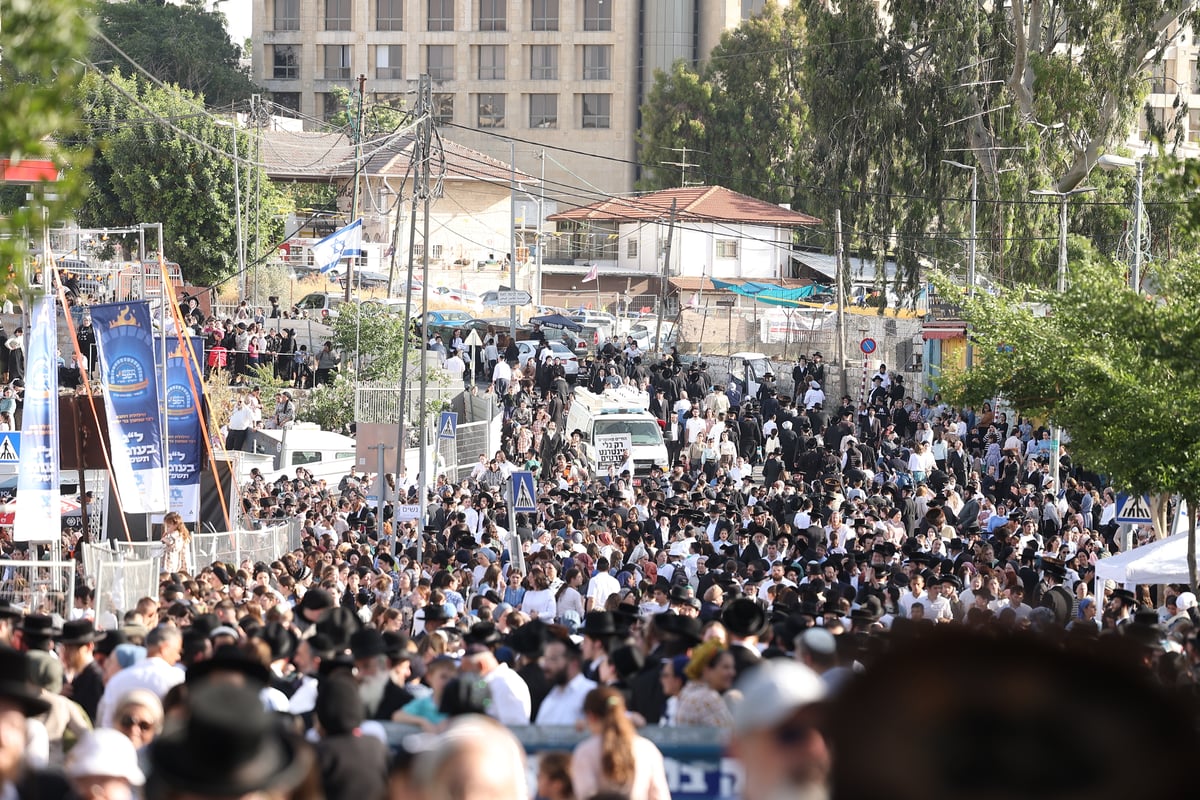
<point x="528" y="349"/>
<point x="643" y="334"/>
<point x="366" y="279"/>
<point x="463" y="296"/>
<point x="444" y="317"/>
<point x="320" y="305"/>
<point x="605" y="323"/>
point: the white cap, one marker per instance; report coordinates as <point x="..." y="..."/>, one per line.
<point x="1185" y="601"/>
<point x="105" y="753"/>
<point x="773" y="691"/>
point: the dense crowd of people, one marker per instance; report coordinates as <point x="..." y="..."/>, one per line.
<point x="759" y="591"/>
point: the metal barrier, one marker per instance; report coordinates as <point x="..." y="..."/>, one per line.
<point x="236" y="547"/>
<point x="122" y="582"/>
<point x="40" y="587"/>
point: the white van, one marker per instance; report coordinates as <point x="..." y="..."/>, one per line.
<point x="276" y="453"/>
<point x="643" y="333"/>
<point x="623" y="411"/>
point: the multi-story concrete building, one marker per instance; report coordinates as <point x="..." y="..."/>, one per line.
<point x="555" y="73"/>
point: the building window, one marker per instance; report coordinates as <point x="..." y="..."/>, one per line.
<point x="1158" y="79"/>
<point x="285" y="62"/>
<point x="597" y="111"/>
<point x="597" y="15"/>
<point x="389" y="61"/>
<point x="389" y="15"/>
<point x="543" y="62"/>
<point x="330" y="106"/>
<point x="287" y="15"/>
<point x="727" y="248"/>
<point x="491" y="62"/>
<point x="492" y="15"/>
<point x="337" y="62"/>
<point x="443" y="109"/>
<point x="544" y="15"/>
<point x="337" y="15"/>
<point x="441" y="15"/>
<point x="631" y="248"/>
<point x="490" y="111"/>
<point x="597" y="62"/>
<point x="439" y="62"/>
<point x="1193" y="125"/>
<point x="543" y="111"/>
<point x="289" y="100"/>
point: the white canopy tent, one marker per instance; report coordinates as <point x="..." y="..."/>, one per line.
<point x="1164" y="561"/>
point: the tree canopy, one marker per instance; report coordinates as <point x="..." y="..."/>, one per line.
<point x="833" y="107"/>
<point x="159" y="158"/>
<point x="42" y="42"/>
<point x="178" y="44"/>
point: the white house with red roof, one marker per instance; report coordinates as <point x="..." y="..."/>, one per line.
<point x="719" y="233"/>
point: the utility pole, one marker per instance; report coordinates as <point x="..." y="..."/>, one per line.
<point x="358" y="137"/>
<point x="662" y="306"/>
<point x="426" y="190"/>
<point x="838" y="258"/>
<point x="541" y="219"/>
<point x="1138" y="207"/>
<point x="512" y="233"/>
<point x="237" y="203"/>
<point x="256" y="117"/>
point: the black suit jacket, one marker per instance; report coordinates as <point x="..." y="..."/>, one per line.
<point x="744" y="657"/>
<point x="353" y="767"/>
<point x="395" y="697"/>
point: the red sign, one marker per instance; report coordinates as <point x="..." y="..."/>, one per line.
<point x="31" y="171"/>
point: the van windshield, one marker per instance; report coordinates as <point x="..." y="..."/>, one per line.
<point x="645" y="433"/>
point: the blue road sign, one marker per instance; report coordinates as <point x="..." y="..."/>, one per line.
<point x="524" y="497"/>
<point x="10" y="447"/>
<point x="448" y="425"/>
<point x="867" y="346"/>
<point x="1133" y="509"/>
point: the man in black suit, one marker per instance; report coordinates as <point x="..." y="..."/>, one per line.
<point x="745" y="620"/>
<point x="353" y="767"/>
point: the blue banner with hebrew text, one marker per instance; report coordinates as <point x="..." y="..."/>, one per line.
<point x="37" y="517"/>
<point x="130" y="381"/>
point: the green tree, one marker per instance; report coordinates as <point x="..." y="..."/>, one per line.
<point x="159" y="160"/>
<point x="178" y="44"/>
<point x="42" y="43"/>
<point x="1113" y="367"/>
<point x="677" y="115"/>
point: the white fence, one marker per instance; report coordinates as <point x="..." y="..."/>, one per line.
<point x="236" y="547"/>
<point x="40" y="587"/>
<point x="122" y="582"/>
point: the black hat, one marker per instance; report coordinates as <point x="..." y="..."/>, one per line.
<point x="316" y="600"/>
<point x="338" y="708"/>
<point x="436" y="612"/>
<point x="1054" y="567"/>
<point x="228" y="747"/>
<point x="529" y="639"/>
<point x="483" y="633"/>
<point x="684" y="628"/>
<point x="38" y="626"/>
<point x="229" y="658"/>
<point x="280" y="639"/>
<point x="627" y="661"/>
<point x="953" y="581"/>
<point x="79" y="631"/>
<point x="1125" y="596"/>
<point x="8" y="610"/>
<point x="367" y="643"/>
<point x="598" y="624"/>
<point x="15" y="684"/>
<point x="744" y="617"/>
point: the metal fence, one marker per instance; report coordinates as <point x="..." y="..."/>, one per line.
<point x="236" y="547"/>
<point x="121" y="582"/>
<point x="40" y="587"/>
<point x="381" y="403"/>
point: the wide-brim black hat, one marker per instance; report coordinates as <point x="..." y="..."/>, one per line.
<point x="15" y="684"/>
<point x="78" y="632"/>
<point x="38" y="626"/>
<point x="436" y="612"/>
<point x="744" y="617"/>
<point x="686" y="629"/>
<point x="228" y="747"/>
<point x="598" y="624"/>
<point x="484" y="633"/>
<point x="229" y="658"/>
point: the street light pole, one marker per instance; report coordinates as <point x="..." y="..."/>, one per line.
<point x="237" y="202"/>
<point x="974" y="206"/>
<point x="1055" y="431"/>
<point x="1109" y="161"/>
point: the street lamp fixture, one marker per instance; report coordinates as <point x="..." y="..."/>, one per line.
<point x="1109" y="161"/>
<point x="1062" y="226"/>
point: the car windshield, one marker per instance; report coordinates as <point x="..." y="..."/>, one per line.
<point x="454" y="316"/>
<point x="643" y="432"/>
<point x="313" y="301"/>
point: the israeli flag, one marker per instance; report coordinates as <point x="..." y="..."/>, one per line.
<point x="340" y="244"/>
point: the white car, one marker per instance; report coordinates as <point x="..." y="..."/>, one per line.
<point x="461" y="296"/>
<point x="643" y="333"/>
<point x="527" y="349"/>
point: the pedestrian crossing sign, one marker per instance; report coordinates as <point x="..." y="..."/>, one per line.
<point x="448" y="425"/>
<point x="1133" y="509"/>
<point x="523" y="494"/>
<point x="10" y="447"/>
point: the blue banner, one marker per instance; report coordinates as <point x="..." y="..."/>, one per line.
<point x="130" y="381"/>
<point x="184" y="436"/>
<point x="38" y="513"/>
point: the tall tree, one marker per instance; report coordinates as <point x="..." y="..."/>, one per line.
<point x="180" y="44"/>
<point x="1114" y="367"/>
<point x="41" y="45"/>
<point x="158" y="159"/>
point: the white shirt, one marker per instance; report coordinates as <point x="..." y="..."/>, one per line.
<point x="600" y="588"/>
<point x="564" y="704"/>
<point x="153" y="674"/>
<point x="511" y="704"/>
